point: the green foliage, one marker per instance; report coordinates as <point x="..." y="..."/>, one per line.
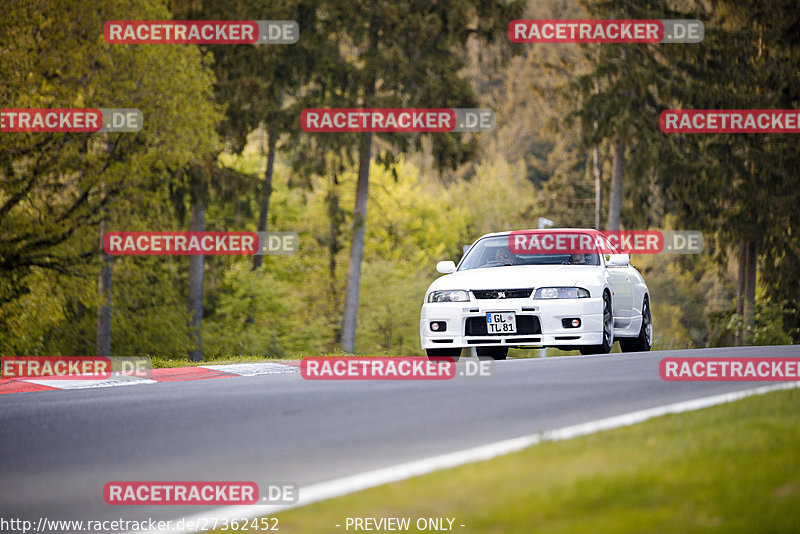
<point x="687" y="296"/>
<point x="56" y="188"/>
<point x="736" y="188"/>
<point x="149" y="314"/>
<point x="388" y="312"/>
<point x="54" y="185"/>
<point x="413" y="222"/>
<point x="694" y="304"/>
<point x="279" y="325"/>
<point x="48" y="318"/>
<point x="771" y="321"/>
<point x="429" y="195"/>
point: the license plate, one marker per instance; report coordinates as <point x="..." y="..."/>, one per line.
<point x="501" y="323"/>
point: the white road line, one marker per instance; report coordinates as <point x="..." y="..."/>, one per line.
<point x="386" y="475"/>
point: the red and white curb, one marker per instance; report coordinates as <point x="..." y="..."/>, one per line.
<point x="173" y="374"/>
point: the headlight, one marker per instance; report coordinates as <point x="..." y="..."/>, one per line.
<point x="452" y="295"/>
<point x="561" y="293"/>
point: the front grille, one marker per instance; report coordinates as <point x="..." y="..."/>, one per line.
<point x="524" y="340"/>
<point x="508" y="293"/>
<point x="526" y="324"/>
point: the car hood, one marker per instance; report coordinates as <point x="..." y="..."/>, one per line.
<point x="520" y="276"/>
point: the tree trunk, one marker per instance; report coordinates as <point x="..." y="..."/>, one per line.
<point x="740" y="283"/>
<point x="258" y="259"/>
<point x="265" y="194"/>
<point x="615" y="200"/>
<point x="359" y="224"/>
<point x="196" y="265"/>
<point x="104" y="281"/>
<point x="749" y="292"/>
<point x="103" y="347"/>
<point x="357" y="245"/>
<point x="334" y="246"/>
<point x="598" y="192"/>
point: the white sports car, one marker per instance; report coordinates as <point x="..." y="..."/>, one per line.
<point x="498" y="298"/>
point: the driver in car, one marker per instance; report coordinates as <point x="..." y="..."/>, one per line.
<point x="505" y="256"/>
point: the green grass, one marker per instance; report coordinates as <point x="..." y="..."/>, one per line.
<point x="159" y="362"/>
<point x="730" y="468"/>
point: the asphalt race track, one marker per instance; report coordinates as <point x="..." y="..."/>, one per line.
<point x="61" y="447"/>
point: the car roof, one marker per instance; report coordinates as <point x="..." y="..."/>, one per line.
<point x="540" y="230"/>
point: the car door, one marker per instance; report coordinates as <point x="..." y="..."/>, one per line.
<point x="621" y="282"/>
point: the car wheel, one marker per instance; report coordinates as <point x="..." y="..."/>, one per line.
<point x="608" y="330"/>
<point x="440" y="354"/>
<point x="497" y="353"/>
<point x="644" y="340"/>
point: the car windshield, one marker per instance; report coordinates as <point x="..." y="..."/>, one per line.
<point x="494" y="252"/>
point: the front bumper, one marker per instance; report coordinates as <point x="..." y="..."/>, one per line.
<point x="538" y="323"/>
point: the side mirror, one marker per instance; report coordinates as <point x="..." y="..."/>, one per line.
<point x="619" y="260"/>
<point x="446" y="267"/>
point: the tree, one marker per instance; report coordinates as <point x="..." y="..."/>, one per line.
<point x="403" y="57"/>
<point x="737" y="188"/>
<point x="253" y="82"/>
<point x="742" y="187"/>
<point x="56" y="187"/>
<point x="619" y="99"/>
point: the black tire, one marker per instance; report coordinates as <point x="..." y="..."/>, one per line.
<point x="453" y="354"/>
<point x="644" y="340"/>
<point x="496" y="353"/>
<point x="608" y="330"/>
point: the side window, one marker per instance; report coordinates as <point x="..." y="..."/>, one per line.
<point x="609" y="249"/>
